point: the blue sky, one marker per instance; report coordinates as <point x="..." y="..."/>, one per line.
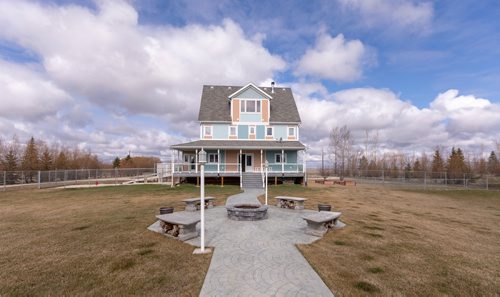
<point x="116" y="76"/>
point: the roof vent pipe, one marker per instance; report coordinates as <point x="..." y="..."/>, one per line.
<point x="272" y="87"/>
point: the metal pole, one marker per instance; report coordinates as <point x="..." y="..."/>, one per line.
<point x="202" y="208"/>
<point x="266" y="183"/>
<point x="4" y="181"/>
<point x="486" y="182"/>
<point x="425" y="180"/>
<point x="39" y="175"/>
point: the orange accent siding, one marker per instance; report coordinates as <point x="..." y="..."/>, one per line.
<point x="233" y="137"/>
<point x="232" y="159"/>
<point x="236" y="110"/>
<point x="207" y="137"/>
<point x="251" y="136"/>
<point x="291" y="137"/>
<point x="265" y="114"/>
<point x="269" y="137"/>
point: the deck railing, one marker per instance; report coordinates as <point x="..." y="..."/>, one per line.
<point x="232" y="168"/>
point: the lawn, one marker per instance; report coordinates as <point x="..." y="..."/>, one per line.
<point x="406" y="243"/>
<point x="94" y="242"/>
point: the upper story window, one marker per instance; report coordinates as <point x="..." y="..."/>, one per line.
<point x="207" y="130"/>
<point x="232" y="130"/>
<point x="251" y="130"/>
<point x="291" y="131"/>
<point x="250" y="106"/>
<point x="269" y="131"/>
<point x="279" y="158"/>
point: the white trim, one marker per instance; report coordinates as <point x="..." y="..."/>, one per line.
<point x="247" y="87"/>
<point x="245" y="105"/>
<point x="294" y="131"/>
<point x="229" y="131"/>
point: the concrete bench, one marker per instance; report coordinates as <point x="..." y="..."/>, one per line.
<point x="193" y="204"/>
<point x="320" y="222"/>
<point x="290" y="202"/>
<point x="179" y="225"/>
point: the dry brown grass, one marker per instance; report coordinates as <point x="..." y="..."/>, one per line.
<point x="95" y="242"/>
<point x="406" y="243"/>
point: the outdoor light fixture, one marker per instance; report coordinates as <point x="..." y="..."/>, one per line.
<point x="202" y="159"/>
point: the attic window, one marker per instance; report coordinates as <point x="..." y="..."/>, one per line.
<point x="250" y="105"/>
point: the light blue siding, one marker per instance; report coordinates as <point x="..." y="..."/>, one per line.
<point x="221" y="131"/>
<point x="242" y="131"/>
<point x="280" y="132"/>
<point x="253" y="117"/>
<point x="250" y="93"/>
<point x="261" y="132"/>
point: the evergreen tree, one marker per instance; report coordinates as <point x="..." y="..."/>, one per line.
<point x="493" y="165"/>
<point x="437" y="163"/>
<point x="363" y="164"/>
<point x="61" y="160"/>
<point x="46" y="160"/>
<point x="116" y="163"/>
<point x="456" y="165"/>
<point x="10" y="165"/>
<point x="30" y="157"/>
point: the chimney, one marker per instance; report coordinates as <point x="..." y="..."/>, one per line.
<point x="272" y="87"/>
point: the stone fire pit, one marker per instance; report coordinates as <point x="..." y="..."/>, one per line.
<point x="247" y="212"/>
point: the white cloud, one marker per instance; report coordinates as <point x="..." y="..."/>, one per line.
<point x="334" y="58"/>
<point x="28" y="95"/>
<point x="392" y="14"/>
<point x="109" y="58"/>
<point x="450" y="120"/>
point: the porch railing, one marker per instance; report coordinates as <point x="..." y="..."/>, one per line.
<point x="231" y="168"/>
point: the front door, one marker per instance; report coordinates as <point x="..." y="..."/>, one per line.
<point x="190" y="162"/>
<point x="247" y="165"/>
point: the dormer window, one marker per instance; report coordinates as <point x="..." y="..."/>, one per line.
<point x="250" y="106"/>
<point x="232" y="131"/>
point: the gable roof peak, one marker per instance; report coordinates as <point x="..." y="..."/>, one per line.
<point x="248" y="86"/>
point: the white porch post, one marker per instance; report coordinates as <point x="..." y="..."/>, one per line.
<point x="218" y="161"/>
<point x="241" y="169"/>
<point x="304" y="167"/>
<point x="282" y="161"/>
<point x="196" y="161"/>
<point x="261" y="166"/>
<point x="172" y="170"/>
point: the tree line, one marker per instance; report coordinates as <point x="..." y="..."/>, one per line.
<point x="35" y="155"/>
<point x="349" y="159"/>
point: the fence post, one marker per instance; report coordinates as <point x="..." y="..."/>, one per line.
<point x="465" y="185"/>
<point x="486" y="182"/>
<point x="39" y="181"/>
<point x="425" y="180"/>
<point x="4" y="181"/>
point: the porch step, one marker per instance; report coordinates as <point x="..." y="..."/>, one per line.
<point x="252" y="180"/>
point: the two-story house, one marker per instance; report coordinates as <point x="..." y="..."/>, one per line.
<point x="241" y="128"/>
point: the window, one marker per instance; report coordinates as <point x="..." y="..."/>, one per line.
<point x="279" y="158"/>
<point x="251" y="130"/>
<point x="250" y="105"/>
<point x="291" y="131"/>
<point x="213" y="158"/>
<point x="207" y="131"/>
<point x="232" y="130"/>
<point x="269" y="131"/>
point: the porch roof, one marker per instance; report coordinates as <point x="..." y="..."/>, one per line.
<point x="239" y="144"/>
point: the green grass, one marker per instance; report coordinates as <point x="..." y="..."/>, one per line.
<point x="366" y="286"/>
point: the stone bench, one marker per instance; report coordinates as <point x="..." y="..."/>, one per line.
<point x="320" y="222"/>
<point x="290" y="202"/>
<point x="179" y="225"/>
<point x="193" y="204"/>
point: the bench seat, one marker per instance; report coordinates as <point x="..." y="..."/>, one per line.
<point x="192" y="204"/>
<point x="290" y="202"/>
<point x="320" y="222"/>
<point x="179" y="225"/>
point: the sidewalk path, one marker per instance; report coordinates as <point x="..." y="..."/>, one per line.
<point x="258" y="258"/>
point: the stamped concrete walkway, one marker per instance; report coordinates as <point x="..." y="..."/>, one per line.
<point x="258" y="258"/>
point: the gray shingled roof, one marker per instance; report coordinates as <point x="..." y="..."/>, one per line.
<point x="239" y="144"/>
<point x="215" y="106"/>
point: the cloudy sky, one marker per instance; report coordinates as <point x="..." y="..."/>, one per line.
<point x="115" y="76"/>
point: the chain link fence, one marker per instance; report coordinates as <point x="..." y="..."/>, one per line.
<point x="57" y="178"/>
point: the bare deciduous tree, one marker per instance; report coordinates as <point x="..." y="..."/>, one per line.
<point x="341" y="143"/>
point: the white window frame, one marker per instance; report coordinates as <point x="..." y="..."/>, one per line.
<point x="214" y="157"/>
<point x="282" y="159"/>
<point x="250" y="130"/>
<point x="294" y="131"/>
<point x="244" y="103"/>
<point x="205" y="130"/>
<point x="235" y="130"/>
<point x="272" y="131"/>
